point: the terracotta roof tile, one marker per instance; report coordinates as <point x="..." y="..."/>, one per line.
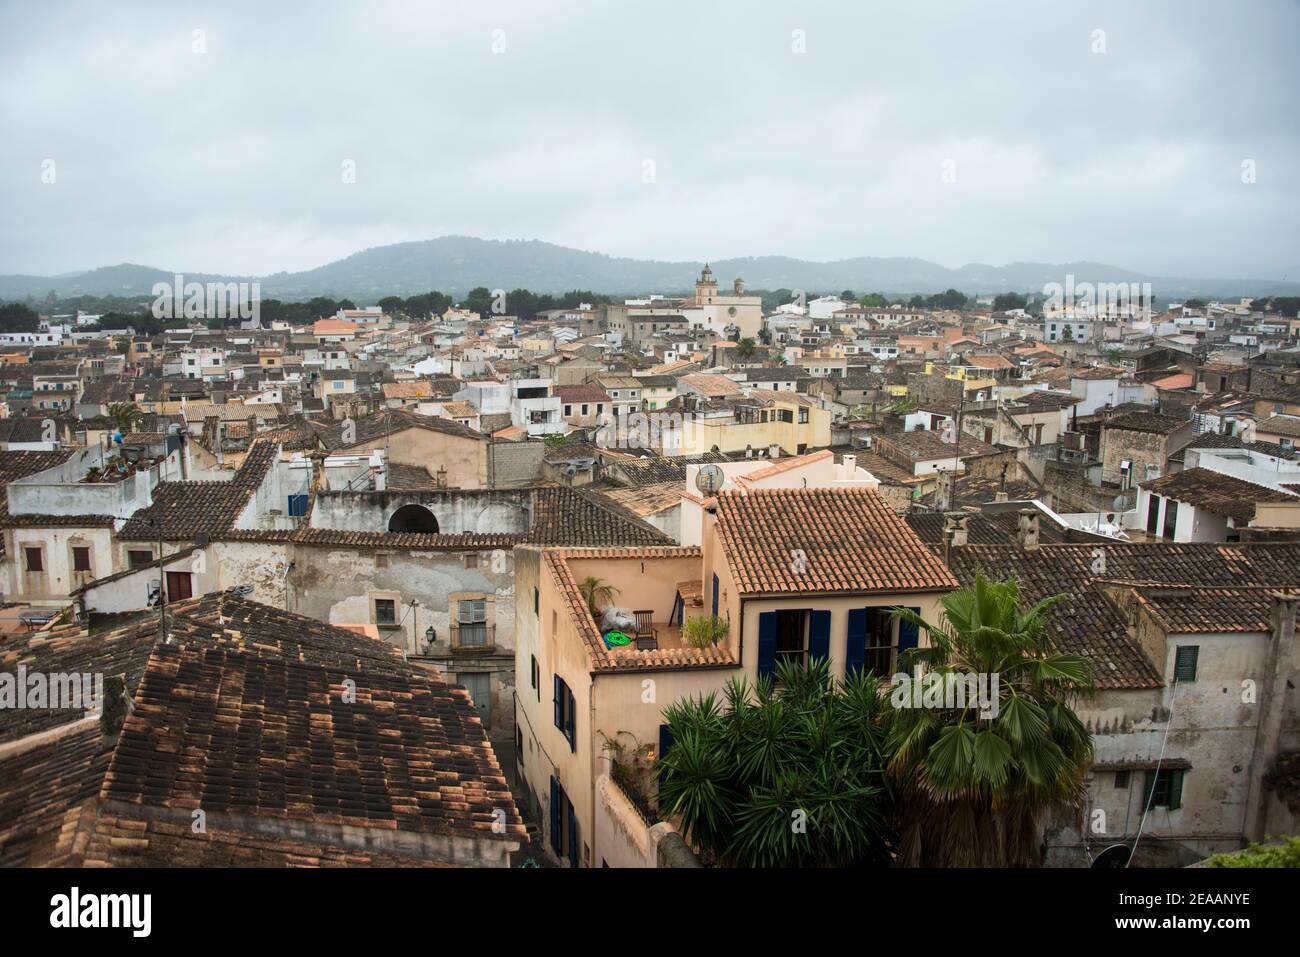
<point x="783" y="541"/>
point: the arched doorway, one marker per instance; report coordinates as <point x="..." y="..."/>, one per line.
<point x="413" y="518"/>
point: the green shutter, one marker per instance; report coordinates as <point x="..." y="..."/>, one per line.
<point x="1185" y="661"/>
<point x="1147" y="788"/>
<point x="1175" y="789"/>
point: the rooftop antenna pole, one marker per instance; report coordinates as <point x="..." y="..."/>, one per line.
<point x="956" y="462"/>
<point x="162" y="585"/>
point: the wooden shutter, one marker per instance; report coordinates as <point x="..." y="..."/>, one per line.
<point x="559" y="701"/>
<point x="819" y="635"/>
<point x="715" y="596"/>
<point x="856" y="650"/>
<point x="766" y="643"/>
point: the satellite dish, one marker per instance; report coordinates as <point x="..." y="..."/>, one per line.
<point x="709" y="479"/>
<point x="1115" y="856"/>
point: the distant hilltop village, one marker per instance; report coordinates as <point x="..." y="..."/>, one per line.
<point x="386" y="584"/>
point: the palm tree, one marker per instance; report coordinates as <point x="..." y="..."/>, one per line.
<point x="745" y="349"/>
<point x="781" y="774"/>
<point x="976" y="784"/>
<point x="125" y="416"/>
<point x="597" y="591"/>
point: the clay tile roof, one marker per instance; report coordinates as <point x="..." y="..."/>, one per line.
<point x="783" y="541"/>
<point x="583" y="393"/>
<point x="1179" y="380"/>
<point x="243" y="714"/>
<point x="370" y="430"/>
<point x="1216" y="492"/>
<point x="784" y="465"/>
<point x="1200" y="610"/>
<point x="925" y="444"/>
<point x="711" y="386"/>
<point x="407" y="390"/>
<point x="187" y="509"/>
<point x="1087" y="622"/>
<point x="604" y="659"/>
<point x="1154" y="422"/>
<point x="1287" y="425"/>
<point x="48" y="780"/>
<point x="1097" y="372"/>
<point x="333" y="327"/>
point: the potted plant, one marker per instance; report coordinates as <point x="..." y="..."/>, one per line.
<point x="704" y="631"/>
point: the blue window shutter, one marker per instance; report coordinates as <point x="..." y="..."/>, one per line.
<point x="767" y="643"/>
<point x="571" y="730"/>
<point x="907" y="633"/>
<point x="819" y="635"/>
<point x="665" y="742"/>
<point x="555" y="815"/>
<point x="715" y="596"/>
<point x="665" y="739"/>
<point x="559" y="701"/>
<point x="856" y="651"/>
<point x="573" y="837"/>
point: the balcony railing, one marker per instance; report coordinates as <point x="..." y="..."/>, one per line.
<point x="472" y="636"/>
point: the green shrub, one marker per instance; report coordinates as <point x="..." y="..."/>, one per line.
<point x="1285" y="854"/>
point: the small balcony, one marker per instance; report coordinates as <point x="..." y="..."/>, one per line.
<point x="472" y="637"/>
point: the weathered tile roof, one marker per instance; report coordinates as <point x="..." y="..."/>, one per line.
<point x="1087" y="623"/>
<point x="784" y="541"/>
<point x="982" y="528"/>
<point x="566" y="516"/>
<point x="66" y="649"/>
<point x="1216" y="492"/>
<point x="250" y="734"/>
<point x="925" y="444"/>
<point x="242" y="714"/>
<point x="583" y="393"/>
<point x="1153" y="422"/>
<point x="371" y="428"/>
<point x="47" y="781"/>
<point x="1288" y="425"/>
<point x="643" y="500"/>
<point x="655" y="470"/>
<point x="1197" y="609"/>
<point x="187" y="509"/>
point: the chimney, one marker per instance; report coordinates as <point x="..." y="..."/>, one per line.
<point x="774" y="451"/>
<point x="1027" y="532"/>
<point x="955" y="532"/>
<point x="114" y="706"/>
<point x="850" y="463"/>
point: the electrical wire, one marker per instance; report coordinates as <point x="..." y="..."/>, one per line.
<point x="1159" y="761"/>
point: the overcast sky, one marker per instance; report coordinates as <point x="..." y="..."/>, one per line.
<point x="233" y="159"/>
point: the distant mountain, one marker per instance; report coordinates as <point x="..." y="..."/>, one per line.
<point x="456" y="264"/>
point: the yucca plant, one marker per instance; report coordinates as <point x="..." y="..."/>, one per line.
<point x="596" y="591"/>
<point x="781" y="774"/>
<point x="976" y="788"/>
